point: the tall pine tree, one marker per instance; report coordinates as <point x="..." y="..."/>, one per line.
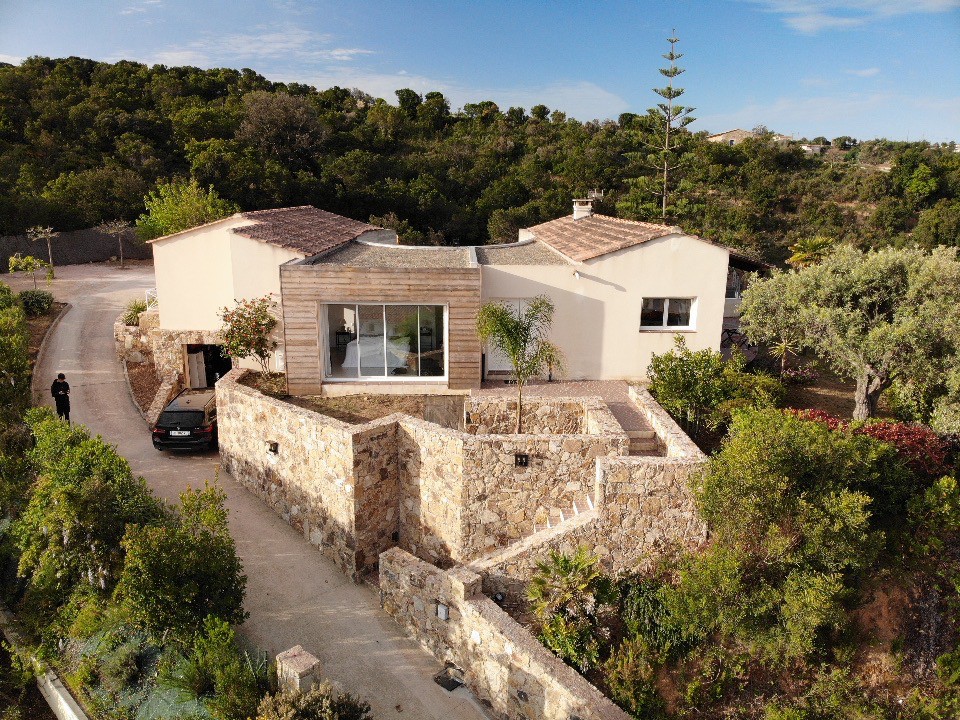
<point x="673" y="118"/>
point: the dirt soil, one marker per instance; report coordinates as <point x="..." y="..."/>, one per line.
<point x="358" y="409"/>
<point x="38" y="327"/>
<point x="143" y="382"/>
<point x="829" y="393"/>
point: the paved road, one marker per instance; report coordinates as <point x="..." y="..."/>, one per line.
<point x="294" y="595"/>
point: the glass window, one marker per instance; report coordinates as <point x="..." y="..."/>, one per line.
<point x="379" y="341"/>
<point x="678" y="312"/>
<point x="666" y="312"/>
<point x="652" y="313"/>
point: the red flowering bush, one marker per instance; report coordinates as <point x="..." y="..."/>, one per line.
<point x="246" y="330"/>
<point x="921" y="449"/>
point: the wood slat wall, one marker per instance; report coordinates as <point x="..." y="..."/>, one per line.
<point x="303" y="288"/>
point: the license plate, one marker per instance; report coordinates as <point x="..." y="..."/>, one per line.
<point x="179" y="433"/>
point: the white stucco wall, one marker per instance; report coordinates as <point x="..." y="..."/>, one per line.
<point x="203" y="270"/>
<point x="597" y="317"/>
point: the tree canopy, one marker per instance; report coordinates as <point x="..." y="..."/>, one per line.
<point x="82" y="142"/>
<point x="874" y="317"/>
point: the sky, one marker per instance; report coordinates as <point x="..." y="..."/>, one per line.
<point x="865" y="68"/>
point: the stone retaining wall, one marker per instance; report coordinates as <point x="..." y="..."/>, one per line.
<point x="502" y="663"/>
<point x="443" y="494"/>
<point x="670" y="436"/>
<point x="541" y="416"/>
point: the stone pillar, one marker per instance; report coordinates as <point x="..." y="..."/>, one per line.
<point x="297" y="670"/>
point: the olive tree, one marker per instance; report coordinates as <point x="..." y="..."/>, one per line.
<point x="874" y="317"/>
<point x="521" y="335"/>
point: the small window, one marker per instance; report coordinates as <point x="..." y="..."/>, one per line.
<point x="666" y="313"/>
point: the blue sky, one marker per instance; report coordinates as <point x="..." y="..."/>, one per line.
<point x="867" y="68"/>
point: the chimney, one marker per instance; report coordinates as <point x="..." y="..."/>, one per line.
<point x="582" y="207"/>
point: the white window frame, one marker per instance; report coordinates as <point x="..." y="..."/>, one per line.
<point x="691" y="326"/>
<point x="325" y="345"/>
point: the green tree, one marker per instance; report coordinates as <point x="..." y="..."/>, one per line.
<point x="671" y="119"/>
<point x="873" y="316"/>
<point x="521" y="335"/>
<point x="46" y="234"/>
<point x="180" y="205"/>
<point x="939" y="225"/>
<point x="810" y="250"/>
<point x="27" y="264"/>
<point x="183" y="569"/>
<point x="247" y="331"/>
<point x="116" y="228"/>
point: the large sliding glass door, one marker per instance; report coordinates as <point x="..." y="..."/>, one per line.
<point x="375" y="342"/>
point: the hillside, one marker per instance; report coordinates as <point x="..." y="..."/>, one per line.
<point x="82" y="142"/>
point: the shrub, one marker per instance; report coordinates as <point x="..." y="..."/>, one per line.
<point x="630" y="677"/>
<point x="134" y="308"/>
<point x="7" y="297"/>
<point x="701" y="390"/>
<point x="36" y="302"/>
<point x="319" y="703"/>
<point x="14" y="365"/>
<point x="571" y="599"/>
<point x="219" y="674"/>
<point x="184" y="569"/>
<point x="246" y="331"/>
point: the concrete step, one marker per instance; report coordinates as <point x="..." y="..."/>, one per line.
<point x="644" y="444"/>
<point x="641" y="434"/>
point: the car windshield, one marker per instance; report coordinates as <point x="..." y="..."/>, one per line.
<point x="183" y="418"/>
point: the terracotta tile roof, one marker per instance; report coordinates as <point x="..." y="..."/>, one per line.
<point x="304" y="229"/>
<point x="596" y="235"/>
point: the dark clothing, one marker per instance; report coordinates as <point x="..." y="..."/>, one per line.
<point x="61" y="394"/>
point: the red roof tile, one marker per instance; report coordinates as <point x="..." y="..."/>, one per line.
<point x="304" y="229"/>
<point x="596" y="235"/>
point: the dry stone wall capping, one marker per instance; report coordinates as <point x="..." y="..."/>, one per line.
<point x="502" y="664"/>
<point x="670" y="436"/>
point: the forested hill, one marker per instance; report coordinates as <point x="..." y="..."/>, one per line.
<point x="82" y="142"/>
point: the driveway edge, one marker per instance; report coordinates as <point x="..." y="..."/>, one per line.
<point x="133" y="399"/>
<point x="34" y="391"/>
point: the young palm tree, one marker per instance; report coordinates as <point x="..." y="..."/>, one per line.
<point x="810" y="250"/>
<point x="521" y="336"/>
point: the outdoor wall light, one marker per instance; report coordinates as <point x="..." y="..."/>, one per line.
<point x="576" y="274"/>
<point x="273" y="447"/>
<point x="443" y="612"/>
<point x="521" y="460"/>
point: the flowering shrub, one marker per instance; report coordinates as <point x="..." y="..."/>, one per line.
<point x="805" y="375"/>
<point x="246" y="331"/>
<point x="924" y="452"/>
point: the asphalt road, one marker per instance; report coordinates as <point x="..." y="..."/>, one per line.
<point x="294" y="595"/>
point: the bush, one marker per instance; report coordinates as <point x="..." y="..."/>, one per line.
<point x="7" y="297"/>
<point x="36" y="302"/>
<point x="219" y="674"/>
<point x="247" y="331"/>
<point x="701" y="390"/>
<point x="630" y="677"/>
<point x="134" y="308"/>
<point x="14" y="365"/>
<point x="184" y="569"/>
<point x="572" y="599"/>
<point x="319" y="703"/>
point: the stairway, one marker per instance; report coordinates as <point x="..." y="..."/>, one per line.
<point x="643" y="442"/>
<point x="556" y="516"/>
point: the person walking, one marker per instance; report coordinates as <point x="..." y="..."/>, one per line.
<point x="61" y="394"/>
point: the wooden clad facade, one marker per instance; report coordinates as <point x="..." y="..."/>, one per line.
<point x="305" y="288"/>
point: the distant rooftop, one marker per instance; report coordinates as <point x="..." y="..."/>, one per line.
<point x="595" y="235"/>
<point x="303" y="229"/>
<point x="372" y="255"/>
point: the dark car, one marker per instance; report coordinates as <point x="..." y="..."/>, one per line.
<point x="189" y="422"/>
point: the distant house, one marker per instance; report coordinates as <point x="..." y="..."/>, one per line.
<point x="732" y="137"/>
<point x="201" y="270"/>
<point x="814" y="148"/>
<point x="368" y="316"/>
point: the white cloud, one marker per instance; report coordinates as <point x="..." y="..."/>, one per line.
<point x="812" y="16"/>
<point x="12" y="59"/>
<point x="143" y="6"/>
<point x="284" y="42"/>
<point x="865" y="72"/>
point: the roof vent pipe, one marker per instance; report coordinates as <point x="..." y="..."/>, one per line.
<point x="582" y="207"/>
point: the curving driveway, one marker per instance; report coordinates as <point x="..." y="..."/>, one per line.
<point x="294" y="595"/>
